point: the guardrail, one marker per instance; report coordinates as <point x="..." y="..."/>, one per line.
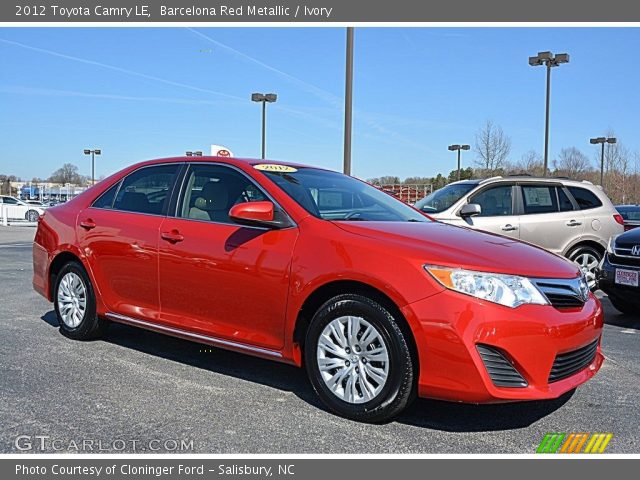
<point x="13" y="215"/>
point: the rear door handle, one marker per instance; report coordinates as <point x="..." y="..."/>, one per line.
<point x="172" y="237"/>
<point x="573" y="223"/>
<point x="88" y="224"/>
<point x="509" y="228"/>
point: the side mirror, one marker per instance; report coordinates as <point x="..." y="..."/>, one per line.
<point x="470" y="210"/>
<point x="258" y="214"/>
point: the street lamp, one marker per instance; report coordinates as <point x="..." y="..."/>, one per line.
<point x="264" y="98"/>
<point x="197" y="153"/>
<point x="549" y="60"/>
<point x="457" y="148"/>
<point x="93" y="154"/>
<point x="602" y="141"/>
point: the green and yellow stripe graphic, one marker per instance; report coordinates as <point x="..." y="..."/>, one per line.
<point x="574" y="443"/>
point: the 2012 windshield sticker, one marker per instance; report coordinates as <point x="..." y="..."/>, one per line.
<point x="271" y="167"/>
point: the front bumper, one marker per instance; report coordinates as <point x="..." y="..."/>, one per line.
<point x="451" y="325"/>
<point x="607" y="279"/>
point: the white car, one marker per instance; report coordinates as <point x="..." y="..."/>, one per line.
<point x="15" y="209"/>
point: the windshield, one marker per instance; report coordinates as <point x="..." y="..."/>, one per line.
<point x="442" y="199"/>
<point x="334" y="196"/>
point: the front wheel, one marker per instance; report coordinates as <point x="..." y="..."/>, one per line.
<point x="358" y="359"/>
<point x="587" y="259"/>
<point x="75" y="304"/>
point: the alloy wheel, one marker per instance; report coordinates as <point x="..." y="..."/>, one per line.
<point x="353" y="359"/>
<point x="588" y="263"/>
<point x="72" y="299"/>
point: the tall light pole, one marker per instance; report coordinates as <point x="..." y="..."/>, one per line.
<point x="197" y="153"/>
<point x="264" y="98"/>
<point x="348" y="103"/>
<point x="457" y="148"/>
<point x="93" y="154"/>
<point x="549" y="60"/>
<point x="602" y="141"/>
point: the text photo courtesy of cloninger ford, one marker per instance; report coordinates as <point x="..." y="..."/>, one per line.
<point x="320" y="240"/>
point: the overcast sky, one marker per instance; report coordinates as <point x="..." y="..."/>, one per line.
<point x="140" y="93"/>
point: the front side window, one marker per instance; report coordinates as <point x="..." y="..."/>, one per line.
<point x="334" y="196"/>
<point x="539" y="199"/>
<point x="495" y="201"/>
<point x="585" y="198"/>
<point x="211" y="190"/>
<point x="445" y="197"/>
<point x="10" y="201"/>
<point x="147" y="190"/>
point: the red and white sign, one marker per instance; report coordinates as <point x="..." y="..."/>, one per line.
<point x="220" y="151"/>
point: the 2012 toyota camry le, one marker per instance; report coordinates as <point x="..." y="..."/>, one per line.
<point x="318" y="269"/>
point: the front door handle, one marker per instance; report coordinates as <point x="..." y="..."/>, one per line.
<point x="573" y="223"/>
<point x="88" y="224"/>
<point x="509" y="228"/>
<point x="172" y="237"/>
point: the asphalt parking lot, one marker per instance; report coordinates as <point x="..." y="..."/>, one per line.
<point x="143" y="392"/>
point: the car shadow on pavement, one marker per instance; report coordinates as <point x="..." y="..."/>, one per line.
<point x="466" y="417"/>
<point x="432" y="414"/>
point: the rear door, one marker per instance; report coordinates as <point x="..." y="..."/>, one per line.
<point x="498" y="213"/>
<point x="548" y="218"/>
<point x="119" y="234"/>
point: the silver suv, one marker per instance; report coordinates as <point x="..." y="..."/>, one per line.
<point x="570" y="218"/>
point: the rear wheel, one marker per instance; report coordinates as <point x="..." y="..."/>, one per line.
<point x="358" y="360"/>
<point x="32" y="216"/>
<point x="587" y="258"/>
<point x="75" y="304"/>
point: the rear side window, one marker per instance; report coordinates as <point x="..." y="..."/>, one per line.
<point x="496" y="201"/>
<point x="564" y="201"/>
<point x="539" y="199"/>
<point x="585" y="198"/>
<point x="147" y="190"/>
<point x="106" y="199"/>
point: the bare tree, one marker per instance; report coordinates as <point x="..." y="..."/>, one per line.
<point x="68" y="173"/>
<point x="492" y="147"/>
<point x="384" y="180"/>
<point x="571" y="162"/>
<point x="530" y="163"/>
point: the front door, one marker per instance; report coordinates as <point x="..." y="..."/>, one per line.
<point x="497" y="211"/>
<point x="219" y="278"/>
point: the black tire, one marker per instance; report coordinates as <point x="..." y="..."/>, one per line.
<point x="90" y="326"/>
<point x="624" y="306"/>
<point x="31" y="216"/>
<point x="398" y="390"/>
<point x="577" y="252"/>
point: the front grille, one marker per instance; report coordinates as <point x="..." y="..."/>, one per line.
<point x="622" y="256"/>
<point x="500" y="369"/>
<point x="563" y="293"/>
<point x="566" y="364"/>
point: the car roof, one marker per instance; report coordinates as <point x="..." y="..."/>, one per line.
<point x="227" y="160"/>
<point x="528" y="178"/>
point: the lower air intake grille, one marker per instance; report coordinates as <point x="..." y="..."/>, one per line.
<point x="501" y="371"/>
<point x="566" y="364"/>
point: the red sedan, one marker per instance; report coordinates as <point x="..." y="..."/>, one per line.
<point x="311" y="267"/>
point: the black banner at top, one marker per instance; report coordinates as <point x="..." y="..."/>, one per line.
<point x="319" y="11"/>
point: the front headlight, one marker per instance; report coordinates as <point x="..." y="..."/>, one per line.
<point x="508" y="290"/>
<point x="612" y="244"/>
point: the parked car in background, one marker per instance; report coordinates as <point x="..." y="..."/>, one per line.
<point x="620" y="272"/>
<point x="17" y="209"/>
<point x="570" y="218"/>
<point x="36" y="203"/>
<point x="630" y="215"/>
<point x="317" y="269"/>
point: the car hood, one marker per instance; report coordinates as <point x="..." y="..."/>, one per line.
<point x="629" y="239"/>
<point x="441" y="244"/>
